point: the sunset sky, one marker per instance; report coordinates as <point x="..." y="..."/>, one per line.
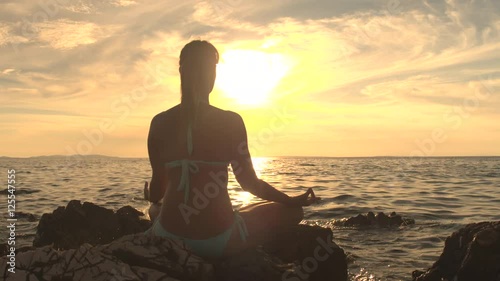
<point x="310" y="78"/>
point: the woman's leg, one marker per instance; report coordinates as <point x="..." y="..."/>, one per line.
<point x="264" y="222"/>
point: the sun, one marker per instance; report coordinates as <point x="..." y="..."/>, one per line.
<point x="249" y="76"/>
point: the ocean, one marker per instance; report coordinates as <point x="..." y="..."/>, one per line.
<point x="442" y="194"/>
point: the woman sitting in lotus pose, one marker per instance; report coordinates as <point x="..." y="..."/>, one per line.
<point x="190" y="147"/>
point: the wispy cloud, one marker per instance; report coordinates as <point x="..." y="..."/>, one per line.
<point x="35" y="111"/>
<point x="66" y="34"/>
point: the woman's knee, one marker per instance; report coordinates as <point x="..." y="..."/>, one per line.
<point x="297" y="214"/>
<point x="294" y="215"/>
<point x="272" y="212"/>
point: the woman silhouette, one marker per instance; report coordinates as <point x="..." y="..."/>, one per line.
<point x="190" y="147"/>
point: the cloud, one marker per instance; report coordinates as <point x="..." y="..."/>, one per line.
<point x="4" y="34"/>
<point x="19" y="92"/>
<point x="96" y="7"/>
<point x="8" y="70"/>
<point x="7" y="37"/>
<point x="66" y="34"/>
<point x="428" y="90"/>
<point x="35" y="111"/>
<point x="124" y="3"/>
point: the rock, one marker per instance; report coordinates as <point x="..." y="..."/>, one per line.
<point x="25" y="216"/>
<point x="371" y="216"/>
<point x="380" y="220"/>
<point x="71" y="226"/>
<point x="133" y="257"/>
<point x="5" y="249"/>
<point x="358" y="220"/>
<point x="145" y="257"/>
<point x="471" y="253"/>
<point x="85" y="250"/>
<point x="254" y="264"/>
<point x="313" y="251"/>
<point x="18" y="191"/>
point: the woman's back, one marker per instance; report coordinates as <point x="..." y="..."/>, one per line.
<point x="205" y="209"/>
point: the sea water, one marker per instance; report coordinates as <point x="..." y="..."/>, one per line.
<point x="441" y="194"/>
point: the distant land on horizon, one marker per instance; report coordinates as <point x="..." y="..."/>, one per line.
<point x="90" y="156"/>
<point x="94" y="156"/>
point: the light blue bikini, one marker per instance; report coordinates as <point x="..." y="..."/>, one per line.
<point x="208" y="248"/>
<point x="212" y="247"/>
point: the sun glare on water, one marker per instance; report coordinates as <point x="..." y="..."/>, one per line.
<point x="250" y="76"/>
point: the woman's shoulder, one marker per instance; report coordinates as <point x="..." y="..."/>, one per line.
<point x="234" y="117"/>
<point x="226" y="114"/>
<point x="163" y="118"/>
<point x="169" y="113"/>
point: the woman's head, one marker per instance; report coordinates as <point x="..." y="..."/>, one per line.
<point x="197" y="66"/>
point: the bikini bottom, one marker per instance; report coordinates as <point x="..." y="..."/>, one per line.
<point x="209" y="248"/>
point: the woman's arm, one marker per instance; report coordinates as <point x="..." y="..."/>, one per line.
<point x="246" y="177"/>
<point x="243" y="168"/>
<point x="158" y="183"/>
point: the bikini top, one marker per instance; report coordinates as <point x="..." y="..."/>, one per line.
<point x="189" y="165"/>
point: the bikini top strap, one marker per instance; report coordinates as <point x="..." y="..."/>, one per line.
<point x="187" y="167"/>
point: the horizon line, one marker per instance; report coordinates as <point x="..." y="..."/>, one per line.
<point x="276" y="156"/>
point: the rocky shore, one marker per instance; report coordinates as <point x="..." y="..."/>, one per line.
<point x="89" y="242"/>
<point x="471" y="253"/>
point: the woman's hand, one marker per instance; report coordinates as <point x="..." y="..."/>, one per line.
<point x="146" y="191"/>
<point x="304" y="199"/>
<point x="155" y="208"/>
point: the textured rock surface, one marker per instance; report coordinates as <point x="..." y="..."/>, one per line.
<point x="302" y="253"/>
<point x="471" y="253"/>
<point x="380" y="220"/>
<point x="144" y="257"/>
<point x="305" y="252"/>
<point x="313" y="252"/>
<point x="252" y="265"/>
<point x="133" y="257"/>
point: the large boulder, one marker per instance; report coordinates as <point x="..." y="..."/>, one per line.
<point x="313" y="252"/>
<point x="71" y="226"/>
<point x="301" y="253"/>
<point x="471" y="253"/>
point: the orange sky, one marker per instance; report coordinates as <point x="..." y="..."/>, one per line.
<point x="333" y="78"/>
